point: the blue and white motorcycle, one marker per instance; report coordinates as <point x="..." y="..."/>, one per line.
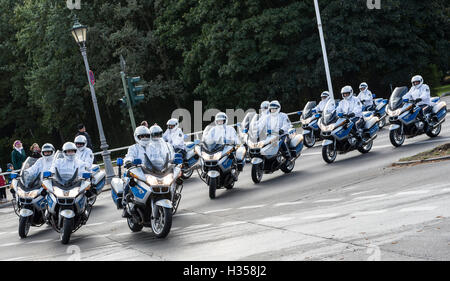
<point x="338" y="134"/>
<point x="29" y="198"/>
<point x="153" y="195"/>
<point x="310" y="124"/>
<point x="221" y="161"/>
<point x="264" y="149"/>
<point x="379" y="110"/>
<point x="190" y="161"/>
<point x="67" y="204"/>
<point x="404" y="117"/>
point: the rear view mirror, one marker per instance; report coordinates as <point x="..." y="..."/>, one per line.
<point x="47" y="174"/>
<point x="86" y="176"/>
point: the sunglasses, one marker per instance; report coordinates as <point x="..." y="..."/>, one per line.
<point x="146" y="136"/>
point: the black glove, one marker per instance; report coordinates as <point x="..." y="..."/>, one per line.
<point x="128" y="165"/>
<point x="281" y="132"/>
<point x="351" y="115"/>
<point x="418" y="100"/>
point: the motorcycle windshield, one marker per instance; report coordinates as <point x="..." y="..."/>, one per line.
<point x="396" y="99"/>
<point x="307" y="111"/>
<point x="215" y="137"/>
<point x="245" y="124"/>
<point x="329" y="112"/>
<point x="28" y="179"/>
<point x="66" y="178"/>
<point x="159" y="156"/>
<point x="257" y="130"/>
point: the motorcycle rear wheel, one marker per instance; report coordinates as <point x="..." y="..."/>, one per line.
<point x="434" y="132"/>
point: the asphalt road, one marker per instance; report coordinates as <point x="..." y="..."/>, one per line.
<point x="358" y="208"/>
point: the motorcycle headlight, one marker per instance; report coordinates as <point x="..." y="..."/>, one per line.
<point x="167" y="180"/>
<point x="256" y="144"/>
<point x="24" y="194"/>
<point x="216" y="156"/>
<point x="326" y="128"/>
<point x="66" y="193"/>
<point x="393" y="112"/>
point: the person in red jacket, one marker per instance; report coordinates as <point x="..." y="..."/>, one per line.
<point x="2" y="188"/>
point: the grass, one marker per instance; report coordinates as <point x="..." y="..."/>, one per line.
<point x="442" y="150"/>
<point x="441" y="90"/>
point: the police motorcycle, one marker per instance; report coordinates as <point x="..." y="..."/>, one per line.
<point x="379" y="110"/>
<point x="309" y="120"/>
<point x="67" y="204"/>
<point x="338" y="136"/>
<point x="98" y="180"/>
<point x="153" y="195"/>
<point x="29" y="198"/>
<point x="242" y="128"/>
<point x="264" y="149"/>
<point x="221" y="161"/>
<point x="403" y="116"/>
<point x="190" y="161"/>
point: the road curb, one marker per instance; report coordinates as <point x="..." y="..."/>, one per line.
<point x="401" y="163"/>
<point x="445" y="94"/>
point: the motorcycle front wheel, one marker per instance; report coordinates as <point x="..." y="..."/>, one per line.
<point x="310" y="140"/>
<point x="257" y="173"/>
<point x="382" y="123"/>
<point x="162" y="224"/>
<point x="212" y="187"/>
<point x="187" y="174"/>
<point x="66" y="230"/>
<point x="24" y="226"/>
<point x="397" y="137"/>
<point x="329" y="153"/>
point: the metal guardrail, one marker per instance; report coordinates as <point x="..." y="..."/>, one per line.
<point x="192" y="134"/>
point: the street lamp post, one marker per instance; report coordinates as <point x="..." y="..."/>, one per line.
<point x="79" y="33"/>
<point x="324" y="50"/>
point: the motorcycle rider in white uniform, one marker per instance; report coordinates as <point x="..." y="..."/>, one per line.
<point x="324" y="98"/>
<point x="278" y="122"/>
<point x="419" y="93"/>
<point x="352" y="107"/>
<point x="365" y="96"/>
<point x="159" y="149"/>
<point x="84" y="153"/>
<point x="44" y="163"/>
<point x="174" y="135"/>
<point x="222" y="132"/>
<point x="264" y="108"/>
<point x="70" y="163"/>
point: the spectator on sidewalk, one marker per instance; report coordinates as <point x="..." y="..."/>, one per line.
<point x="2" y="188"/>
<point x="35" y="151"/>
<point x="9" y="168"/>
<point x="82" y="132"/>
<point x="144" y="123"/>
<point x="18" y="155"/>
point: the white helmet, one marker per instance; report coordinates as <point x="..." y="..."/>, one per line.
<point x="172" y="123"/>
<point x="274" y="107"/>
<point x="81" y="142"/>
<point x="48" y="147"/>
<point x="69" y="151"/>
<point x="416" y="79"/>
<point x="325" y="94"/>
<point x="264" y="107"/>
<point x="347" y="90"/>
<point x="221" y="118"/>
<point x="363" y="86"/>
<point x="156" y="133"/>
<point x="142" y="135"/>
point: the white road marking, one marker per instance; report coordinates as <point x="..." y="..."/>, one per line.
<point x="362" y="192"/>
<point x="231" y="223"/>
<point x="99" y="236"/>
<point x="445" y="190"/>
<point x="367" y="213"/>
<point x="321" y="216"/>
<point x="15" y="259"/>
<point x="370" y="196"/>
<point x="123" y="234"/>
<point x="185" y="214"/>
<point x="288" y="203"/>
<point x="418" y="209"/>
<point x="329" y="200"/>
<point x="251" y="207"/>
<point x="10" y="244"/>
<point x="412" y="192"/>
<point x="40" y="241"/>
<point x="175" y="228"/>
<point x="197" y="226"/>
<point x="217" y="211"/>
<point x="275" y="219"/>
<point x="95" y="224"/>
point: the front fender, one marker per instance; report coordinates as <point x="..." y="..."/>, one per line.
<point x="256" y="161"/>
<point x="327" y="142"/>
<point x="165" y="203"/>
<point x="213" y="174"/>
<point x="68" y="214"/>
<point x="26" y="213"/>
<point x="394" y="127"/>
<point x="306" y="132"/>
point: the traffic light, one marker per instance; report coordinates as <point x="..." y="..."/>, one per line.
<point x="134" y="90"/>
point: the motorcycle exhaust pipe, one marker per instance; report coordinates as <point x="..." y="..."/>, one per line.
<point x="439" y="123"/>
<point x="371" y="139"/>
